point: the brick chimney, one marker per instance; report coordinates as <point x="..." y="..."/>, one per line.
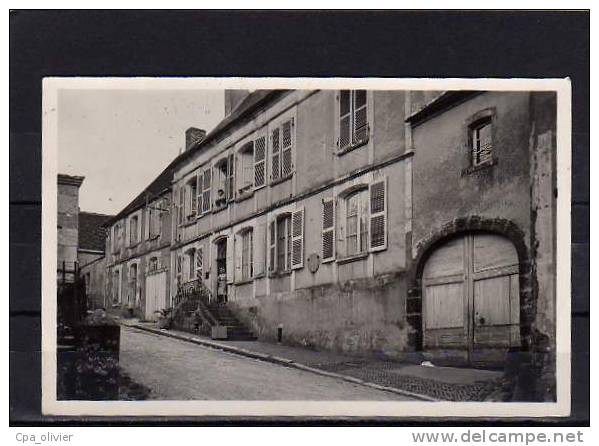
<point x="233" y="98"/>
<point x="193" y="136"/>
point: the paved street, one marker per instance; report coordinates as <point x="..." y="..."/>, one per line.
<point x="179" y="370"/>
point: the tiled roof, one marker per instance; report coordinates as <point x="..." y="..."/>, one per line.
<point x="91" y="232"/>
<point x="163" y="181"/>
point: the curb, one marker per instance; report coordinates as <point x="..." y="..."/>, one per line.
<point x="280" y="361"/>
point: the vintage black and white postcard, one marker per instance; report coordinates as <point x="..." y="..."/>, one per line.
<point x="306" y="247"/>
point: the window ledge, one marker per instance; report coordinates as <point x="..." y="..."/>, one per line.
<point x="217" y="209"/>
<point x="281" y="180"/>
<point x="244" y="196"/>
<point x="154" y="237"/>
<point x="472" y="169"/>
<point x="187" y="223"/>
<point x="276" y="274"/>
<point x="352" y="146"/>
<point x="244" y="281"/>
<point x="352" y="258"/>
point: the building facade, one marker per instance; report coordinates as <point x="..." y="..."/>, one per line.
<point x="68" y="226"/>
<point x="386" y="222"/>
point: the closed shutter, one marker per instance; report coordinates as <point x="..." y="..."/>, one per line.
<point x="272" y="246"/>
<point x="287" y="148"/>
<point x="344" y="119"/>
<point x="297" y="239"/>
<point x="199" y="190"/>
<point x="259" y="249"/>
<point x="378" y="215"/>
<point x="138" y="236"/>
<point x="360" y="132"/>
<point x="230" y="258"/>
<point x="230" y="177"/>
<point x="260" y="162"/>
<point x="275" y="145"/>
<point x="328" y="230"/>
<point x="206" y="190"/>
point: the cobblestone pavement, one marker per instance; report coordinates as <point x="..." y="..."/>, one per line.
<point x="178" y="370"/>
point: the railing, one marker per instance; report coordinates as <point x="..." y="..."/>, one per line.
<point x="196" y="290"/>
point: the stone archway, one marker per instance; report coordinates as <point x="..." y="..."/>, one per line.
<point x="469" y="227"/>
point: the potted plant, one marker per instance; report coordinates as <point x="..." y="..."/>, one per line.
<point x="165" y="319"/>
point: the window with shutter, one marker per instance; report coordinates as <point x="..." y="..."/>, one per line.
<point x="378" y="215"/>
<point x="199" y="198"/>
<point x="344" y="119"/>
<point x="328" y="230"/>
<point x="275" y="170"/>
<point x="287" y="148"/>
<point x="247" y="254"/>
<point x="272" y="243"/>
<point x="260" y="236"/>
<point x="260" y="162"/>
<point x="353" y="119"/>
<point x="230" y="185"/>
<point x="297" y="239"/>
<point x="206" y="190"/>
<point x="181" y="205"/>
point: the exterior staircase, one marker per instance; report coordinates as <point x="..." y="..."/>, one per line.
<point x="236" y="330"/>
<point x="195" y="311"/>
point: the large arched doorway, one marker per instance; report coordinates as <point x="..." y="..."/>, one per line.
<point x="471" y="300"/>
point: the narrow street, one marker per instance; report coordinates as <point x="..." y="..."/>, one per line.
<point x="179" y="370"/>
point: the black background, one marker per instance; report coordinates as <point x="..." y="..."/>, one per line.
<point x="284" y="43"/>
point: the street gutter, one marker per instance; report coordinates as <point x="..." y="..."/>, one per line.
<point x="277" y="360"/>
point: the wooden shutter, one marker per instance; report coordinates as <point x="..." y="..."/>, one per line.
<point x="230" y="186"/>
<point x="360" y="114"/>
<point x="344" y="119"/>
<point x="259" y="249"/>
<point x="260" y="162"/>
<point x="148" y="222"/>
<point x="181" y="204"/>
<point x="287" y="148"/>
<point x="238" y="261"/>
<point x="275" y="171"/>
<point x="139" y="222"/>
<point x="230" y="258"/>
<point x="297" y="239"/>
<point x="199" y="263"/>
<point x="328" y="229"/>
<point x="206" y="189"/>
<point x="272" y="246"/>
<point x="199" y="190"/>
<point x="378" y="215"/>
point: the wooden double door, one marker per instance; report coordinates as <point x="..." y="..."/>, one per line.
<point x="471" y="300"/>
<point x="155" y="294"/>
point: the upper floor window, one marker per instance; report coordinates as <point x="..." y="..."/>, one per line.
<point x="224" y="180"/>
<point x="281" y="146"/>
<point x="353" y="119"/>
<point x="191" y="193"/>
<point x="260" y="162"/>
<point x="154" y="215"/>
<point x="481" y="142"/>
<point x="133" y="229"/>
<point x="245" y="171"/>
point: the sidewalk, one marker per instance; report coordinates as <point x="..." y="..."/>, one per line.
<point x="422" y="382"/>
